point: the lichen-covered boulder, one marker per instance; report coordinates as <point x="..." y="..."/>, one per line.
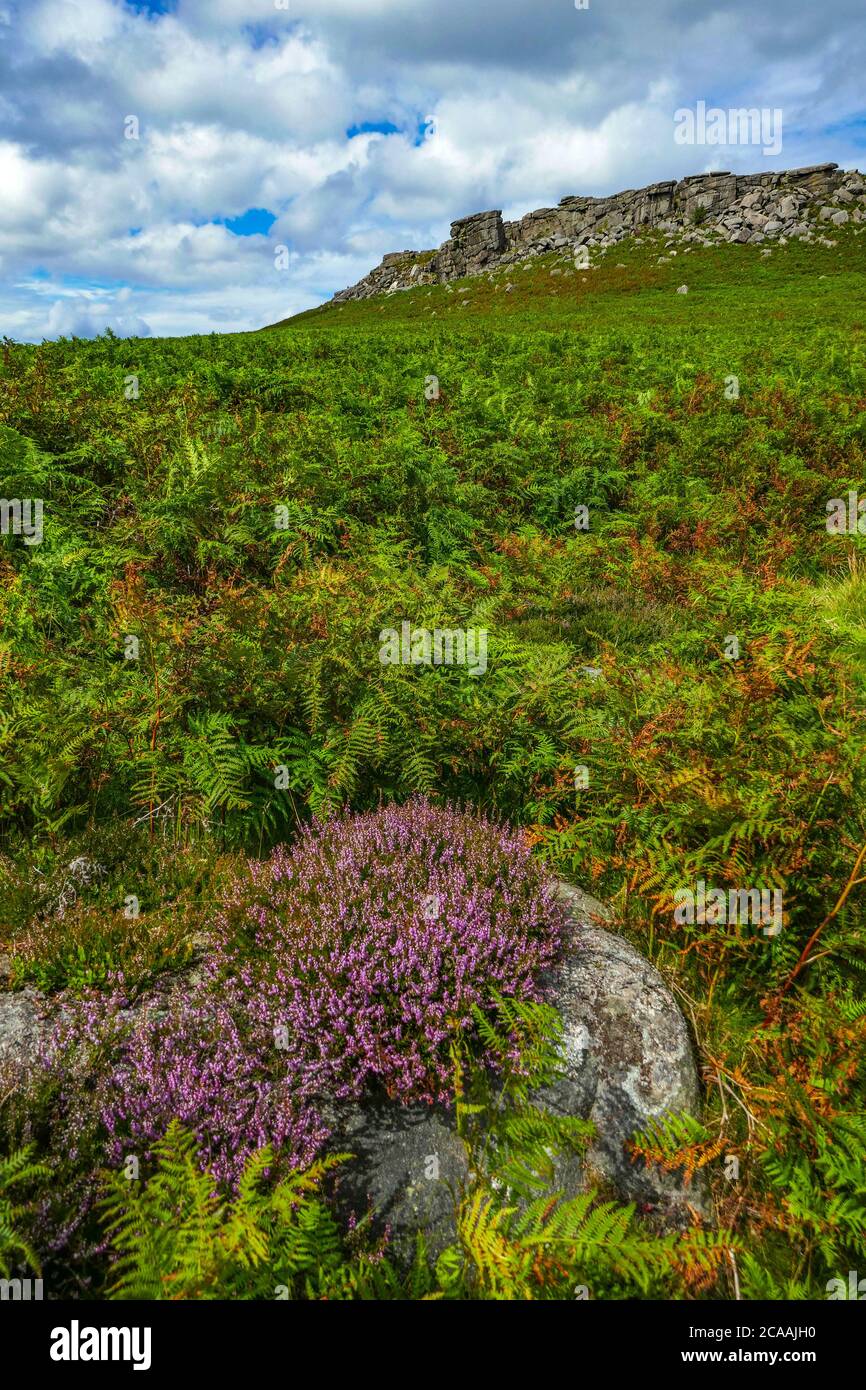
<point x="627" y="1059"/>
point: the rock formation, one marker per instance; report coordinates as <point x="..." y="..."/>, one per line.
<point x="703" y="208"/>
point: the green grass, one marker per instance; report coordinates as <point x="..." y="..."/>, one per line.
<point x="628" y="286"/>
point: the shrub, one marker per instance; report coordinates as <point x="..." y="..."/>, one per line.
<point x="355" y="957"/>
<point x="515" y="1236"/>
<point x="93" y="946"/>
<point x="381" y="931"/>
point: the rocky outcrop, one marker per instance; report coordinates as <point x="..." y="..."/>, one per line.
<point x="796" y="203"/>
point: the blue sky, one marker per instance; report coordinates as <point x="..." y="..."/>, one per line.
<point x="342" y="129"/>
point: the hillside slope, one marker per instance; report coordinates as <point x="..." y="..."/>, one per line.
<point x="703" y="210"/>
<point x="625" y="489"/>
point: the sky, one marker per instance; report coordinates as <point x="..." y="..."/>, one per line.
<point x="196" y="166"/>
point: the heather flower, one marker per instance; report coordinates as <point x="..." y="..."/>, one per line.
<point x="352" y="958"/>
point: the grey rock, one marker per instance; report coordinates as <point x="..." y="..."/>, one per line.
<point x="839" y="218"/>
<point x="766" y="202"/>
<point x="809" y="169"/>
<point x="628" y="1058"/>
<point x="21" y="1029"/>
<point x="408" y="1165"/>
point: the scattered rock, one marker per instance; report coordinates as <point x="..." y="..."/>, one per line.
<point x="21" y="1028"/>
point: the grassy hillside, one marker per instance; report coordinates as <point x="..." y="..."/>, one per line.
<point x="255" y="509"/>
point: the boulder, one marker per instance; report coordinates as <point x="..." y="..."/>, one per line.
<point x="627" y="1058"/>
<point x="408" y="1163"/>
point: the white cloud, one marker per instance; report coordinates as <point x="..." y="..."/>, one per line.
<point x="243" y="105"/>
<point x="80" y="318"/>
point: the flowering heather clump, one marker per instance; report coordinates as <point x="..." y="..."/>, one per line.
<point x="374" y="935"/>
<point x="354" y="956"/>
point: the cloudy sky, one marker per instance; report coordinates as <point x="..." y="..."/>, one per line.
<point x="342" y="129"/>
